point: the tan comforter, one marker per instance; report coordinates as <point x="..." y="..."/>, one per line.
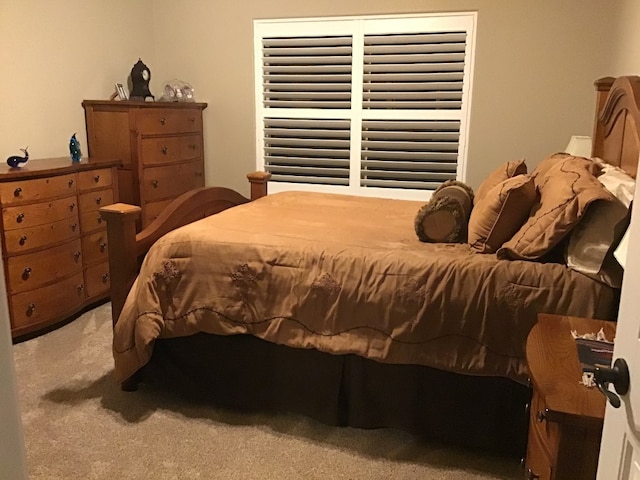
<point x="344" y="275"/>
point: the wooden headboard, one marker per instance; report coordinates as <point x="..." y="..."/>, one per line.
<point x="616" y="133"/>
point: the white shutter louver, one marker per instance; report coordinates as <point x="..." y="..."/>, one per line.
<point x="414" y="71"/>
<point x="303" y="150"/>
<point x="307" y="72"/>
<point x="416" y="154"/>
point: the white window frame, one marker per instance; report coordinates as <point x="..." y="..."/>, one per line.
<point x="358" y="26"/>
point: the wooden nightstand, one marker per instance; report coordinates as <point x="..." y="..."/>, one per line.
<point x="565" y="421"/>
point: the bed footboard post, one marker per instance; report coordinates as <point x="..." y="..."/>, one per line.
<point x="258" y="182"/>
<point x="123" y="255"/>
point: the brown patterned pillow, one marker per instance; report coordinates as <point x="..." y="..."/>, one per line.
<point x="444" y="218"/>
<point x="566" y="190"/>
<point x="506" y="170"/>
<point x="501" y="213"/>
<point x="540" y="171"/>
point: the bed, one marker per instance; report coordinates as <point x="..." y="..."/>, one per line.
<point x="330" y="305"/>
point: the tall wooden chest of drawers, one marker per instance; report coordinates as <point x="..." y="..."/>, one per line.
<point x="54" y="243"/>
<point x="160" y="145"/>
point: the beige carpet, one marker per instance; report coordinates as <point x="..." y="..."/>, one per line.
<point x="79" y="425"/>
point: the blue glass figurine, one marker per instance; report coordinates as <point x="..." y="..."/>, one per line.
<point x="14" y="161"/>
<point x="74" y="149"/>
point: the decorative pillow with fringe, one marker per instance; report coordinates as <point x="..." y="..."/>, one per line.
<point x="445" y="217"/>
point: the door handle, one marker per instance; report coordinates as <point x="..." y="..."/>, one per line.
<point x="618" y="375"/>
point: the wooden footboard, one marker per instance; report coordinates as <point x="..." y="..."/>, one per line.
<point x="127" y="248"/>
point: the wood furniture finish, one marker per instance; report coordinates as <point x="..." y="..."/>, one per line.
<point x="160" y="146"/>
<point x="54" y="242"/>
<point x="566" y="417"/>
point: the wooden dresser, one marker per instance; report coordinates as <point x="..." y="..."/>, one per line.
<point x="160" y="145"/>
<point x="54" y="242"/>
<point x="566" y="417"/>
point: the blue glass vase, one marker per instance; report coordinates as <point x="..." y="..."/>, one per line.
<point x="74" y="149"/>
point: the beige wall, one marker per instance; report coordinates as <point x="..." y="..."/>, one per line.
<point x="54" y="54"/>
<point x="535" y="65"/>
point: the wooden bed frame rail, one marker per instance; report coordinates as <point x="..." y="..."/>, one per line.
<point x="128" y="247"/>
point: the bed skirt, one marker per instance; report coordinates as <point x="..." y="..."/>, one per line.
<point x="247" y="373"/>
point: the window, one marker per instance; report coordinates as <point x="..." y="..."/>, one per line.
<point x="372" y="106"/>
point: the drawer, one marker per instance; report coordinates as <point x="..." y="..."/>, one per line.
<point x="94" y="247"/>
<point x="21" y="191"/>
<point x="161" y="183"/>
<point x="161" y="121"/>
<point x="90" y="179"/>
<point x="26" y="216"/>
<point x="92" y="221"/>
<point x="17" y="241"/>
<point x="160" y="150"/>
<point x="153" y="209"/>
<point x="537" y="462"/>
<point x="92" y="201"/>
<point x="45" y="303"/>
<point x="548" y="432"/>
<point x="97" y="280"/>
<point x="33" y="270"/>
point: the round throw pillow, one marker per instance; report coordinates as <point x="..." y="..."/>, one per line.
<point x="444" y="218"/>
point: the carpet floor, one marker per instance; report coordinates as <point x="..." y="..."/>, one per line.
<point x="78" y="424"/>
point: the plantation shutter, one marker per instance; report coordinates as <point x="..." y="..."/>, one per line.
<point x="368" y="106"/>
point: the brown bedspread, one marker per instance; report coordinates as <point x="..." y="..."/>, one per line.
<point x="345" y="274"/>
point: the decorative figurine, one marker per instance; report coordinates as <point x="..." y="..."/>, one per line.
<point x="15" y="160"/>
<point x="74" y="149"/>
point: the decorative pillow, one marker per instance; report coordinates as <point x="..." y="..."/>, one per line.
<point x="566" y="190"/>
<point x="504" y="171"/>
<point x="592" y="242"/>
<point x="501" y="213"/>
<point x="540" y="171"/>
<point x="444" y="218"/>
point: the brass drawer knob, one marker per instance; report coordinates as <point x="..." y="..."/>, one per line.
<point x="99" y="200"/>
<point x="74" y="227"/>
<point x="30" y="309"/>
<point x="103" y="247"/>
<point x="20" y="217"/>
<point x="80" y="289"/>
<point x="105" y="278"/>
<point x="541" y="416"/>
<point x="70" y="183"/>
<point x="96" y="178"/>
<point x="163" y="121"/>
<point x="23" y="240"/>
<point x="192" y="119"/>
<point x="99" y="219"/>
<point x="193" y="146"/>
<point x="72" y="206"/>
<point x="26" y="273"/>
<point x="155" y="183"/>
<point x="164" y="150"/>
<point x="531" y="475"/>
<point x="17" y="192"/>
<point x="77" y="256"/>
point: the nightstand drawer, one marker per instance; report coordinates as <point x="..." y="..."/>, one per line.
<point x="537" y="462"/>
